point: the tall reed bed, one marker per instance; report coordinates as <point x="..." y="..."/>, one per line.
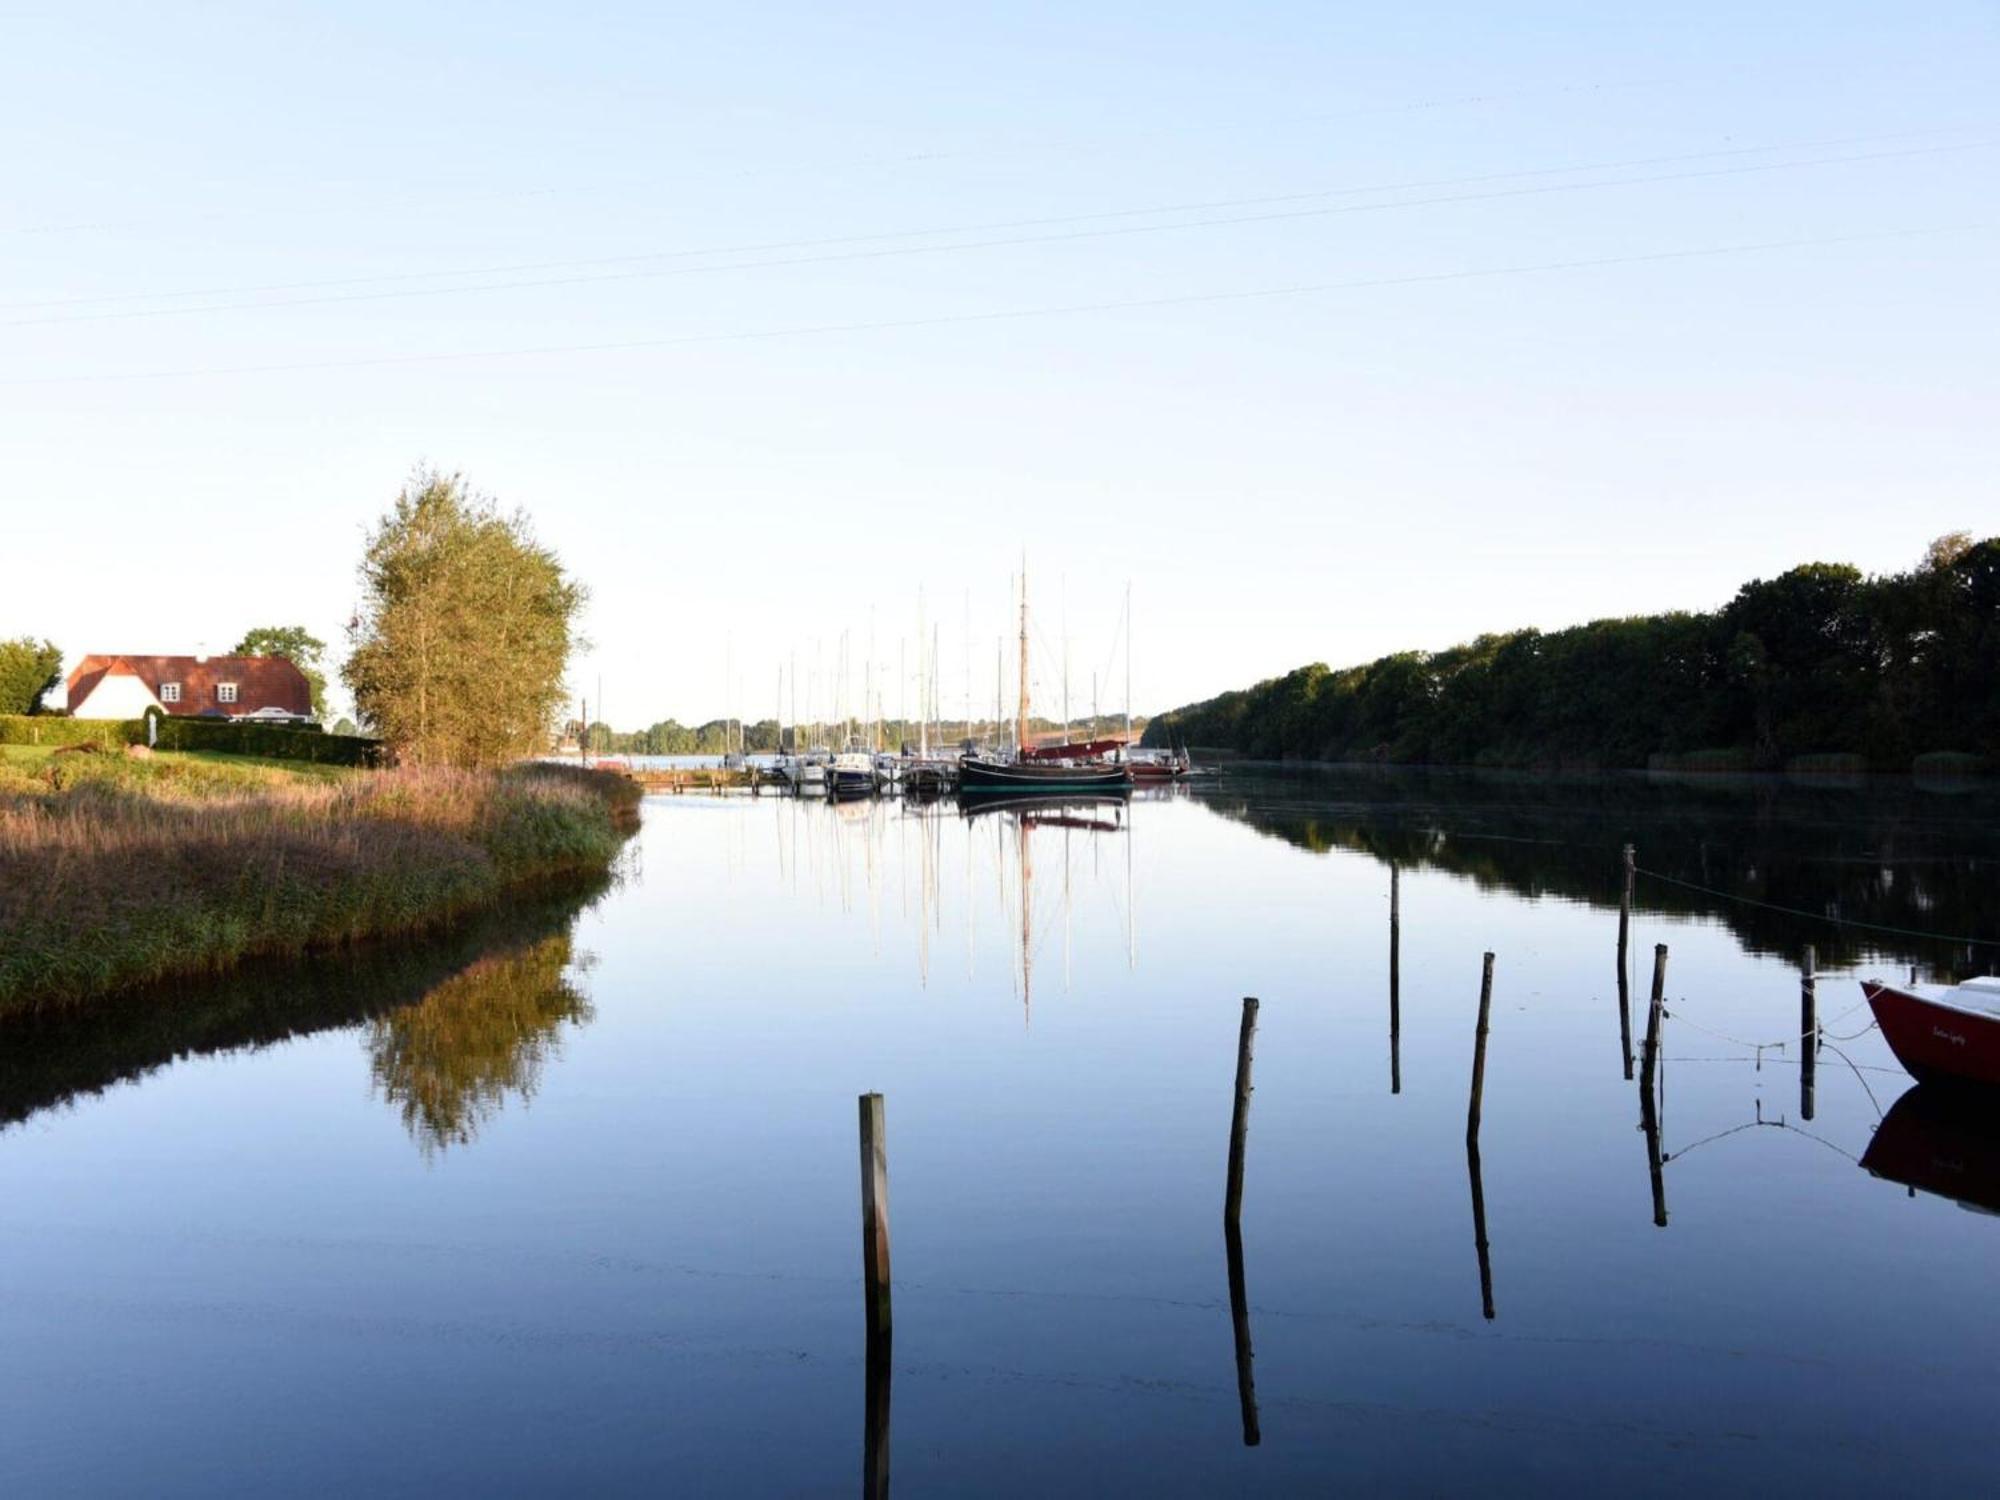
<point x="115" y="881"/>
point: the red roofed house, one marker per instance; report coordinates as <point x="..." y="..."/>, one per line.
<point x="232" y="687"/>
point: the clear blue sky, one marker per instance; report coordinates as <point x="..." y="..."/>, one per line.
<point x="192" y="442"/>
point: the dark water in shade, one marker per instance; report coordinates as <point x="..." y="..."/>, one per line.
<point x="570" y="1202"/>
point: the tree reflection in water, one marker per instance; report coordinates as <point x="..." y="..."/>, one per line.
<point x="450" y="1061"/>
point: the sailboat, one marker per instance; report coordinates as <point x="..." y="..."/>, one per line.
<point x="1027" y="771"/>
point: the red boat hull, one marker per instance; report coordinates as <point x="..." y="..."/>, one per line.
<point x="1936" y="1041"/>
<point x="1150" y="770"/>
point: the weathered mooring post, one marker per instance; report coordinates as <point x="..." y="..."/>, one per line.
<point x="1479" y="1227"/>
<point x="1808" y="1028"/>
<point x="875" y="1432"/>
<point x="1479" y="1052"/>
<point x="1624" y="964"/>
<point x="1649" y="1066"/>
<point x="1232" y="1230"/>
<point x="1239" y="1120"/>
<point x="1649" y="1123"/>
<point x="1239" y="1318"/>
<point x="1395" y="980"/>
<point x="875" y="1217"/>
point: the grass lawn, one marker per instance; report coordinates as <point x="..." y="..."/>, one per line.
<point x="198" y="773"/>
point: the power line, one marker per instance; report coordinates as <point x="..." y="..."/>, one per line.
<point x="1179" y="126"/>
<point x="962" y="319"/>
<point x="978" y="228"/>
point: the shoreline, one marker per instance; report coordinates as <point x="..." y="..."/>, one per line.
<point x="107" y="889"/>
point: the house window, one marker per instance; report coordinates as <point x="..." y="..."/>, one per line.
<point x="225" y="692"/>
<point x="170" y="692"/>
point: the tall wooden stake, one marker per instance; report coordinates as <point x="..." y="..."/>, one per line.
<point x="1624" y="965"/>
<point x="1239" y="1318"/>
<point x="1239" y="1120"/>
<point x="1650" y="1066"/>
<point x="1808" y="1029"/>
<point x="1479" y="1053"/>
<point x="1395" y="980"/>
<point x="1649" y="1122"/>
<point x="1479" y="1227"/>
<point x="875" y="1216"/>
<point x="875" y="1432"/>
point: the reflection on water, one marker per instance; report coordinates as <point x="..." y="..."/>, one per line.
<point x="452" y="1022"/>
<point x="1916" y="867"/>
<point x="1937" y="1139"/>
<point x="648" y="1280"/>
<point x="451" y="1061"/>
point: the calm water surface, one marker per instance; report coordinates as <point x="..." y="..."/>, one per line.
<point x="570" y="1202"/>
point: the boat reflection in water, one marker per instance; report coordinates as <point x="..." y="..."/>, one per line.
<point x="1944" y="1140"/>
<point x="1069" y="813"/>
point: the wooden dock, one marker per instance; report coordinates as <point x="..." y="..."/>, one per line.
<point x="693" y="779"/>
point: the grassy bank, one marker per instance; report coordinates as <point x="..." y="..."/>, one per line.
<point x="116" y="872"/>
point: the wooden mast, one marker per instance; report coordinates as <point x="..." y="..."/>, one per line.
<point x="1021" y="725"/>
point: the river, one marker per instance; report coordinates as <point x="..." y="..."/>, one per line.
<point x="569" y="1201"/>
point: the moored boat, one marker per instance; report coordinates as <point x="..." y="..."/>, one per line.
<point x="977" y="774"/>
<point x="852" y="774"/>
<point x="1946" y="1031"/>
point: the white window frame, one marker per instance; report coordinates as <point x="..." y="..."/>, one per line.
<point x="170" y="692"/>
<point x="225" y="692"/>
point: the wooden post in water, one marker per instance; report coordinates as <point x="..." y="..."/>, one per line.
<point x="1395" y="980"/>
<point x="1479" y="1227"/>
<point x="875" y="1217"/>
<point x="1808" y="1029"/>
<point x="875" y="1417"/>
<point x="1239" y="1120"/>
<point x="1624" y="965"/>
<point x="1239" y="1318"/>
<point x="1649" y="1066"/>
<point x="1232" y="1229"/>
<point x="1479" y="1053"/>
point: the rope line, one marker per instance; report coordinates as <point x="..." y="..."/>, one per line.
<point x="1784" y="1041"/>
<point x="1811" y="916"/>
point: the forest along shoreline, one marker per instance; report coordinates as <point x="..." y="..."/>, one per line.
<point x="1820" y="669"/>
<point x="118" y="872"/>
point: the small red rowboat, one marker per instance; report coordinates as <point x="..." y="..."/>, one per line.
<point x="1941" y="1030"/>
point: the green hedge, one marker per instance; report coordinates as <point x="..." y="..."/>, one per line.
<point x="56" y="729"/>
<point x="218" y="735"/>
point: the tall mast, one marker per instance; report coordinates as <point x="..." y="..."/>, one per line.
<point x="1021" y="726"/>
<point x="1128" y="667"/>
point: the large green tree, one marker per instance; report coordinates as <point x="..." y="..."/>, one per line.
<point x="28" y="669"/>
<point x="299" y="647"/>
<point x="464" y="630"/>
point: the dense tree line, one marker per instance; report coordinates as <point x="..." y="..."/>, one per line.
<point x="671" y="737"/>
<point x="1819" y="661"/>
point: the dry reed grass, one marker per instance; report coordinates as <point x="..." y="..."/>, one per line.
<point x="122" y="877"/>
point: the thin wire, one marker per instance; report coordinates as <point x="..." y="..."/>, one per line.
<point x="964" y="319"/>
<point x="986" y="244"/>
<point x="1793" y="911"/>
<point x="984" y="227"/>
<point x="428" y="196"/>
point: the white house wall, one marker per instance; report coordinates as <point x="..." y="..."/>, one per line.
<point x="116" y="698"/>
